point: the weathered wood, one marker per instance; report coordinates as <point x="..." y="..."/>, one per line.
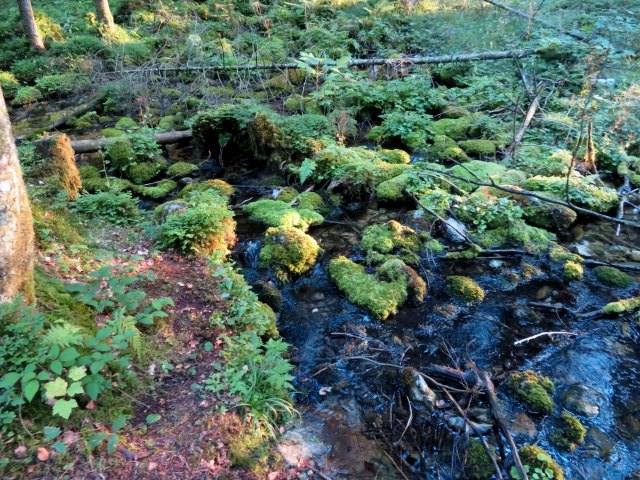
<point x="17" y="250"/>
<point x="94" y="145"/>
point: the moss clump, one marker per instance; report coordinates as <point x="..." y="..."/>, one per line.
<point x="613" y="277"/>
<point x="558" y="253"/>
<point x="572" y="270"/>
<point x="9" y="84"/>
<point x="312" y="201"/>
<point x="379" y="297"/>
<point x="394" y="190"/>
<point x="516" y="233"/>
<point x="158" y="191"/>
<point x="455" y="111"/>
<point x="168" y="123"/>
<point x="112" y="133"/>
<point x="478" y="464"/>
<point x="394" y="269"/>
<point x="181" y="169"/>
<point x="26" y="96"/>
<point x="478" y="148"/>
<point x="571" y="434"/>
<point x="288" y="251"/>
<point x="536" y="457"/>
<point x="455" y="128"/>
<point x="465" y="289"/>
<point x="391" y="238"/>
<point x="126" y="123"/>
<point x="276" y="213"/>
<point x="622" y="306"/>
<point x="478" y="171"/>
<point x="93" y="182"/>
<point x="549" y="216"/>
<point x="120" y="153"/>
<point x="287" y="194"/>
<point x="445" y="148"/>
<point x="145" y="171"/>
<point x="532" y="390"/>
<point x="395" y="156"/>
<point x="217" y="184"/>
<point x="581" y="191"/>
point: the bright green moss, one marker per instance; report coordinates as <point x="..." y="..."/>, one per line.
<point x="167" y="123"/>
<point x="572" y="433"/>
<point x="144" y="172"/>
<point x="549" y="216"/>
<point x="613" y="277"/>
<point x="126" y="123"/>
<point x="391" y="238"/>
<point x="394" y="269"/>
<point x="445" y="148"/>
<point x="455" y="111"/>
<point x="395" y="156"/>
<point x="181" y="169"/>
<point x="119" y="153"/>
<point x="217" y="184"/>
<point x="394" y="190"/>
<point x="287" y="194"/>
<point x="622" y="306"/>
<point x="276" y="213"/>
<point x="572" y="270"/>
<point x="465" y="289"/>
<point x="455" y="128"/>
<point x="365" y="290"/>
<point x="26" y="96"/>
<point x="559" y="254"/>
<point x="536" y="457"/>
<point x="158" y="191"/>
<point x="312" y="201"/>
<point x="478" y="148"/>
<point x="477" y="171"/>
<point x="9" y="84"/>
<point x="112" y="133"/>
<point x="478" y="464"/>
<point x="532" y="390"/>
<point x="516" y="233"/>
<point x="581" y="192"/>
<point x="288" y="251"/>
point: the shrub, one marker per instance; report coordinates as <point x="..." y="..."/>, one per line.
<point x="533" y="390"/>
<point x="116" y="208"/>
<point x="32" y="68"/>
<point x="465" y="289"/>
<point x="79" y="45"/>
<point x="26" y="96"/>
<point x="62" y="84"/>
<point x="409" y="129"/>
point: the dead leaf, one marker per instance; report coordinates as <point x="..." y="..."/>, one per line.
<point x="70" y="437"/>
<point x="20" y="452"/>
<point x="152" y="466"/>
<point x="91" y="405"/>
<point x="43" y="454"/>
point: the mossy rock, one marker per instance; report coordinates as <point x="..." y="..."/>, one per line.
<point x="391" y="238"/>
<point x="276" y="213"/>
<point x="381" y="298"/>
<point x="217" y="184"/>
<point x="571" y="434"/>
<point x="536" y="457"/>
<point x="312" y="201"/>
<point x="581" y="192"/>
<point x="445" y="148"/>
<point x="465" y="289"/>
<point x="394" y="269"/>
<point x="477" y="171"/>
<point x="455" y="111"/>
<point x="395" y="156"/>
<point x="144" y="172"/>
<point x="112" y="132"/>
<point x="119" y="153"/>
<point x="516" y="233"/>
<point x="394" y="190"/>
<point x="455" y="128"/>
<point x="549" y="216"/>
<point x="26" y="96"/>
<point x="126" y="123"/>
<point x="269" y="294"/>
<point x="613" y="277"/>
<point x="289" y="251"/>
<point x="168" y="123"/>
<point x="93" y="181"/>
<point x="532" y="390"/>
<point x="158" y="191"/>
<point x="478" y="148"/>
<point x="478" y="464"/>
<point x="287" y="194"/>
<point x="572" y="271"/>
<point x="181" y="169"/>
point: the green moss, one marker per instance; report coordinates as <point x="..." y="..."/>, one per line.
<point x="93" y="181"/>
<point x="181" y="169"/>
<point x="168" y="123"/>
<point x="312" y="201"/>
<point x="26" y="96"/>
<point x="478" y="148"/>
<point x="571" y="435"/>
<point x="287" y="194"/>
<point x="581" y="192"/>
<point x="478" y="464"/>
<point x="9" y="84"/>
<point x="613" y="277"/>
<point x="478" y="171"/>
<point x="445" y="148"/>
<point x="112" y="133"/>
<point x="288" y="251"/>
<point x="144" y="172"/>
<point x="394" y="190"/>
<point x="52" y="299"/>
<point x="465" y="289"/>
<point x="394" y="269"/>
<point x="622" y="306"/>
<point x="276" y="213"/>
<point x="532" y="390"/>
<point x="549" y="216"/>
<point x="217" y="184"/>
<point x="455" y="111"/>
<point x="126" y="123"/>
<point x="536" y="457"/>
<point x="391" y="238"/>
<point x="54" y="226"/>
<point x="395" y="156"/>
<point x="158" y="191"/>
<point x="572" y="270"/>
<point x="455" y="128"/>
<point x="119" y="153"/>
<point x="379" y="297"/>
<point x="516" y="233"/>
<point x="559" y="254"/>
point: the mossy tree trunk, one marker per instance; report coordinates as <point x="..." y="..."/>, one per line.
<point x="62" y="166"/>
<point x="103" y="12"/>
<point x="16" y="223"/>
<point x="29" y="22"/>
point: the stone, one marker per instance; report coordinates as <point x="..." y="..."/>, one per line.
<point x="582" y="400"/>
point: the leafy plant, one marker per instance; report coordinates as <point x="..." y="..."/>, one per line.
<point x="116" y="208"/>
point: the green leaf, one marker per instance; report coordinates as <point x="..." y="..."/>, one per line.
<point x="69" y="354"/>
<point x="51" y="432"/>
<point x="119" y="423"/>
<point x="56" y="367"/>
<point x="93" y="390"/>
<point x="208" y="346"/>
<point x="31" y="389"/>
<point x="95" y="440"/>
<point x="112" y="443"/>
<point x="10" y="379"/>
<point x="153" y="418"/>
<point x="59" y="447"/>
<point x="77" y="373"/>
<point x="63" y="408"/>
<point x="57" y="388"/>
<point x="96" y="366"/>
<point x="74" y="389"/>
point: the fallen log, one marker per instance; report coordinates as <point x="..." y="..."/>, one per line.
<point x="94" y="145"/>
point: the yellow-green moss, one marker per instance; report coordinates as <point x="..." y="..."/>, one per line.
<point x="181" y="169"/>
<point x="536" y="457"/>
<point x="478" y="148"/>
<point x="613" y="277"/>
<point x="217" y="184"/>
<point x="394" y="190"/>
<point x="572" y="270"/>
<point x="455" y="128"/>
<point x="465" y="289"/>
<point x="571" y="435"/>
<point x="119" y="153"/>
<point x="478" y="464"/>
<point x="112" y="132"/>
<point x="379" y="297"/>
<point x="394" y="269"/>
<point x="532" y="390"/>
<point x="287" y="194"/>
<point x="391" y="238"/>
<point x="312" y="201"/>
<point x="145" y="171"/>
<point x="581" y="192"/>
<point x="395" y="156"/>
<point x="622" y="306"/>
<point x="445" y="148"/>
<point x="276" y="213"/>
<point x="126" y="123"/>
<point x="288" y="251"/>
<point x="158" y="191"/>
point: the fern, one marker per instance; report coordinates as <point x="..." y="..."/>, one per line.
<point x="63" y="335"/>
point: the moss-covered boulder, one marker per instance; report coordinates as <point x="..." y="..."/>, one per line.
<point x="394" y="269"/>
<point x="455" y="128"/>
<point x="395" y="190"/>
<point x="622" y="306"/>
<point x="181" y="169"/>
<point x="112" y="132"/>
<point x="570" y="435"/>
<point x="144" y="172"/>
<point x="312" y="201"/>
<point x="536" y="457"/>
<point x="444" y="148"/>
<point x="276" y="213"/>
<point x="93" y="181"/>
<point x="391" y="238"/>
<point x="465" y="289"/>
<point x="395" y="156"/>
<point x="287" y="194"/>
<point x="533" y="390"/>
<point x="217" y="184"/>
<point x="289" y="251"/>
<point x="516" y="232"/>
<point x="157" y="191"/>
<point x="126" y="123"/>
<point x="613" y="277"/>
<point x="381" y="298"/>
<point x="478" y="148"/>
<point x="119" y="153"/>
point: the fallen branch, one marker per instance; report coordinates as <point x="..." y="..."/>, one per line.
<point x="621" y="266"/>
<point x="533" y="108"/>
<point x="94" y="145"/>
<point x="525" y="340"/>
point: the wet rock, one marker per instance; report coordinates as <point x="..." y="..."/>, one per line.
<point x="268" y="293"/>
<point x="522" y="424"/>
<point x="184" y="181"/>
<point x="583" y="249"/>
<point x="455" y="230"/>
<point x="460" y="424"/>
<point x="496" y="264"/>
<point x="582" y="400"/>
<point x="417" y="388"/>
<point x="600" y="443"/>
<point x="171" y="207"/>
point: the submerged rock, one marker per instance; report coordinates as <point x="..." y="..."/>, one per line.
<point x="582" y="400"/>
<point x="417" y="388"/>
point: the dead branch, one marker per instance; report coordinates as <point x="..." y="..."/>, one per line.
<point x="517" y="139"/>
<point x="542" y="334"/>
<point x="94" y="145"/>
<point x="621" y="266"/>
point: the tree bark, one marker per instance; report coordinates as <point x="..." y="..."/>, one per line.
<point x="16" y="223"/>
<point x="104" y="13"/>
<point x="29" y="22"/>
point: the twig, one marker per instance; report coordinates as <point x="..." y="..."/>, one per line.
<point x="621" y="266"/>
<point x="542" y="334"/>
<point x="408" y="421"/>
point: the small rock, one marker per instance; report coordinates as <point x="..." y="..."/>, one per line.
<point x="317" y="296"/>
<point x="21" y="452"/>
<point x="583" y="249"/>
<point x="455" y="230"/>
<point x="543" y="292"/>
<point x="152" y="466"/>
<point x="635" y="255"/>
<point x="417" y="388"/>
<point x="523" y="425"/>
<point x="582" y="400"/>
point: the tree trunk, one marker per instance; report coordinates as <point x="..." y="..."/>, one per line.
<point x="30" y="27"/>
<point x="16" y="223"/>
<point x="104" y="13"/>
